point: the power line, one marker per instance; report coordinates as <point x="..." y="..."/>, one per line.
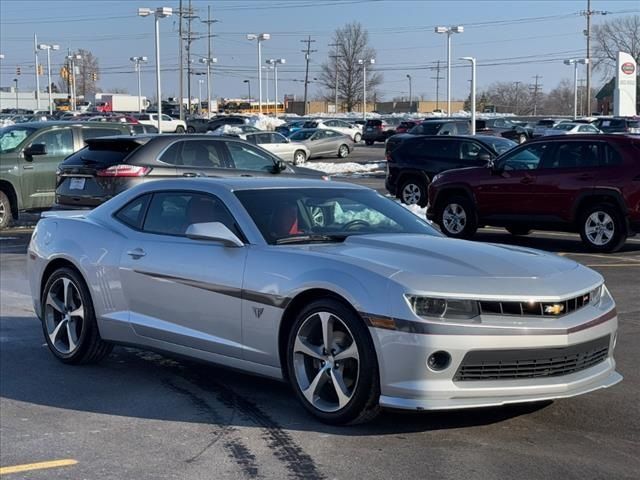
<point x="307" y="56"/>
<point x="536" y="89"/>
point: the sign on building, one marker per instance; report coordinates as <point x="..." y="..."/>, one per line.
<point x="624" y="95"/>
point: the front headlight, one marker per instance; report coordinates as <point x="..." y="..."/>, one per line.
<point x="595" y="296"/>
<point x="445" y="308"/>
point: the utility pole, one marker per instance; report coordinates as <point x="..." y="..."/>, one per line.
<point x="437" y="78"/>
<point x="190" y="17"/>
<point x="181" y="61"/>
<point x="307" y="57"/>
<point x="536" y="89"/>
<point x="35" y="49"/>
<point x="581" y="82"/>
<point x="517" y="84"/>
<point x="587" y="13"/>
<point x="209" y="21"/>
<point x="335" y="58"/>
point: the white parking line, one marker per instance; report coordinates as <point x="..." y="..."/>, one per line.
<point x="553" y="234"/>
<point x="607" y="257"/>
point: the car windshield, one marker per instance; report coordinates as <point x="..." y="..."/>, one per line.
<point x="12" y="136"/>
<point x="564" y="126"/>
<point x="500" y="145"/>
<point x="302" y="135"/>
<point x="307" y="215"/>
<point x="546" y="123"/>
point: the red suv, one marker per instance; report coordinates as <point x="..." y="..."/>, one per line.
<point x="586" y="183"/>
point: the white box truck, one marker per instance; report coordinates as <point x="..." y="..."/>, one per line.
<point x="119" y="102"/>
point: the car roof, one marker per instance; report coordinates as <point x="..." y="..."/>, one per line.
<point x="66" y="123"/>
<point x="608" y="137"/>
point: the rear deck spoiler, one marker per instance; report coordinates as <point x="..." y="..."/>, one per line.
<point x="64" y="214"/>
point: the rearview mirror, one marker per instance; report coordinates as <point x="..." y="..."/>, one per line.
<point x="35" y="149"/>
<point x="214" y="231"/>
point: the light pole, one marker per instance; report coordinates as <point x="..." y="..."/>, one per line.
<point x="2" y="58"/>
<point x="136" y="62"/>
<point x="15" y="80"/>
<point x="72" y="64"/>
<point x="48" y="48"/>
<point x="575" y="62"/>
<point x="200" y="82"/>
<point x="266" y="69"/>
<point x="160" y="12"/>
<point x="208" y="62"/>
<point x="371" y="61"/>
<point x="259" y="38"/>
<point x="473" y="92"/>
<point x="248" y="82"/>
<point x="275" y="63"/>
<point x="449" y="31"/>
<point x="410" y="98"/>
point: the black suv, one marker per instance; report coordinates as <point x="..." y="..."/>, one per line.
<point x="618" y="125"/>
<point x="440" y="126"/>
<point x="220" y="121"/>
<point x="417" y="159"/>
<point x="108" y="166"/>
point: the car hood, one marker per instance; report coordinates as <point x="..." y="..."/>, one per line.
<point x="439" y="264"/>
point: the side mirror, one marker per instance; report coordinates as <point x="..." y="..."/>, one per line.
<point x="35" y="149"/>
<point x="485" y="157"/>
<point x="280" y="166"/>
<point x="214" y="231"/>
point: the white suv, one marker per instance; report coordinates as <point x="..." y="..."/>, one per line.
<point x="168" y="124"/>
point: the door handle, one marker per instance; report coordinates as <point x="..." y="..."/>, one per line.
<point x="27" y="167"/>
<point x="136" y="253"/>
<point x="246" y="175"/>
<point x="526" y="180"/>
<point x="585" y="176"/>
<point x="189" y="174"/>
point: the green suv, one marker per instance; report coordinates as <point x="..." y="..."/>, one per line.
<point x="29" y="156"/>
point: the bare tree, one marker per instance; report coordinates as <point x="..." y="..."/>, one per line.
<point x="508" y="97"/>
<point x="613" y="36"/>
<point x="559" y="101"/>
<point x="352" y="44"/>
<point x="88" y="69"/>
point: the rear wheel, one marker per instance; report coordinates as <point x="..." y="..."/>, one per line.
<point x="191" y="130"/>
<point x="6" y="214"/>
<point x="602" y="228"/>
<point x="68" y="320"/>
<point x="513" y="230"/>
<point x="179" y="129"/>
<point x="299" y="157"/>
<point x="357" y="137"/>
<point x="457" y="217"/>
<point x="332" y="364"/>
<point x="343" y="151"/>
<point x="413" y="192"/>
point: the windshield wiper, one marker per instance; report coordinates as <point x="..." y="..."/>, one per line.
<point x="310" y="238"/>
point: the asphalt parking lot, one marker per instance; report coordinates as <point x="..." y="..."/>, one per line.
<point x="146" y="416"/>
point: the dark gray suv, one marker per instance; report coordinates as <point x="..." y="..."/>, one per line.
<point x="108" y="166"/>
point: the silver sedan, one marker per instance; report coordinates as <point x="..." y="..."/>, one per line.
<point x="324" y="143"/>
<point x="345" y="294"/>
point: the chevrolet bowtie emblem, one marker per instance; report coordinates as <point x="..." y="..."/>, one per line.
<point x="258" y="311"/>
<point x="555" y="309"/>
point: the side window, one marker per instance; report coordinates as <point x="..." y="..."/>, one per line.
<point x="88" y="133"/>
<point x="245" y="157"/>
<point x="526" y="159"/>
<point x="138" y="128"/>
<point x="463" y="128"/>
<point x="171" y="213"/>
<point x="263" y="138"/>
<point x="253" y="139"/>
<point x="470" y="151"/>
<point x="611" y="157"/>
<point x="574" y="155"/>
<point x="331" y="123"/>
<point x="166" y="118"/>
<point x="132" y="214"/>
<point x="59" y="142"/>
<point x="447" y="129"/>
<point x="192" y="153"/>
<point x="445" y="150"/>
<point x="277" y="138"/>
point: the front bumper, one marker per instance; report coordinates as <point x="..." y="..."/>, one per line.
<point x="410" y="384"/>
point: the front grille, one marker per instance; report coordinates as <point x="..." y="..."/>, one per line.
<point x="531" y="363"/>
<point x="536" y="309"/>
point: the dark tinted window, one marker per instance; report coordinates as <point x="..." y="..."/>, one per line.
<point x="574" y="155"/>
<point x="171" y="213"/>
<point x="132" y="214"/>
<point x="143" y="117"/>
<point x="245" y="157"/>
<point x="310" y="124"/>
<point x="428" y="128"/>
<point x="500" y="144"/>
<point x="102" y="154"/>
<point x="194" y="153"/>
<point x="99" y="132"/>
<point x="59" y="142"/>
<point x="301" y="135"/>
<point x="528" y="158"/>
<point x="611" y="157"/>
<point x="138" y="128"/>
<point x="470" y="150"/>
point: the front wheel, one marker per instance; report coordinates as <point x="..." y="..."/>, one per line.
<point x="299" y="157"/>
<point x="413" y="192"/>
<point x="457" y="217"/>
<point x="68" y="320"/>
<point x="357" y="137"/>
<point x="602" y="228"/>
<point x="6" y="215"/>
<point x="332" y="364"/>
<point x="179" y="129"/>
<point x="343" y="151"/>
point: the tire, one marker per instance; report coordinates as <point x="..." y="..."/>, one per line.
<point x="368" y="142"/>
<point x="6" y="213"/>
<point x="357" y="137"/>
<point x="518" y="231"/>
<point x="88" y="346"/>
<point x="413" y="192"/>
<point x="357" y="371"/>
<point x="299" y="157"/>
<point x="179" y="129"/>
<point x="190" y="130"/>
<point x="602" y="228"/>
<point x="457" y="217"/>
<point x="343" y="151"/>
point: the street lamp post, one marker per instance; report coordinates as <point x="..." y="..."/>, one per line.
<point x="371" y="61"/>
<point x="48" y="48"/>
<point x="259" y="38"/>
<point x="449" y="31"/>
<point x="72" y="64"/>
<point x="200" y="82"/>
<point x="575" y="62"/>
<point x="15" y="80"/>
<point x="473" y="92"/>
<point x="410" y="97"/>
<point x="266" y="89"/>
<point x="136" y="62"/>
<point x="160" y="12"/>
<point x="248" y="82"/>
<point x="2" y="58"/>
<point x="275" y="63"/>
<point x="208" y="62"/>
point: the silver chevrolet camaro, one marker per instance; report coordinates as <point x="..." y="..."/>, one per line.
<point x="354" y="300"/>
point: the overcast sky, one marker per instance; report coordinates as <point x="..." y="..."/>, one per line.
<point x="512" y="40"/>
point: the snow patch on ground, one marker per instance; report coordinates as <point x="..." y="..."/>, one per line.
<point x="227" y="130"/>
<point x="263" y="122"/>
<point x="416" y="210"/>
<point x="342" y="168"/>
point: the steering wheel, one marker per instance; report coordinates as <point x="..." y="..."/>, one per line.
<point x="355" y="223"/>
